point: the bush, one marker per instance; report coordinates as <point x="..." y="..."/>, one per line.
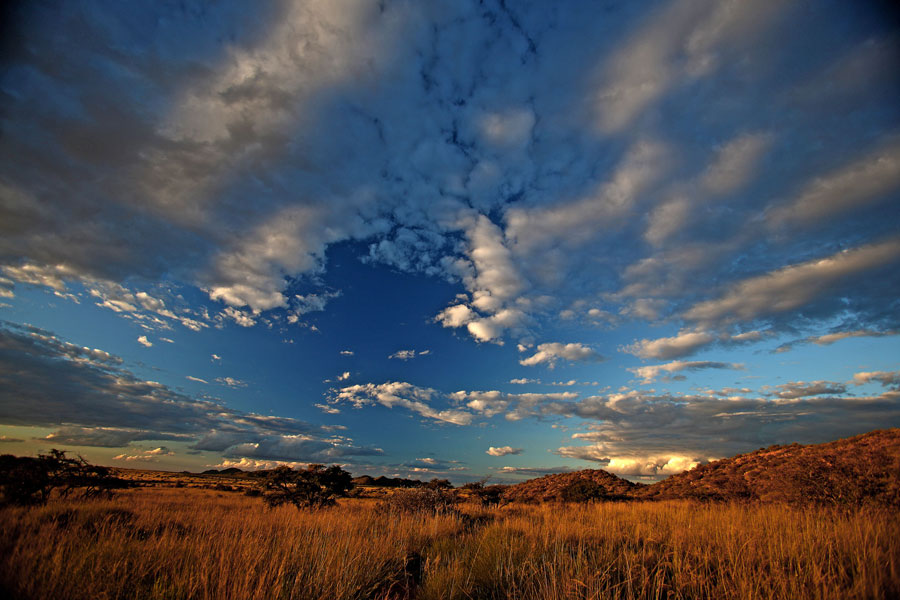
<point x="311" y="488"/>
<point x="439" y="484"/>
<point x="27" y="480"/>
<point x="419" y="501"/>
<point x="490" y="495"/>
<point x="583" y="490"/>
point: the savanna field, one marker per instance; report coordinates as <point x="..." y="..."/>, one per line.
<point x="195" y="542"/>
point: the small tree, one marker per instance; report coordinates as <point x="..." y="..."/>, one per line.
<point x="439" y="484"/>
<point x="312" y="488"/>
<point x="487" y="495"/>
<point x="25" y="480"/>
<point x="582" y="490"/>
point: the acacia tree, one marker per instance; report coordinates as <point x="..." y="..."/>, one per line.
<point x="311" y="488"/>
<point x="27" y="480"/>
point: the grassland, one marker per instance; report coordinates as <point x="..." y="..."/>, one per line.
<point x="166" y="542"/>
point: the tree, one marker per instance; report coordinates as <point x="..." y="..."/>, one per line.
<point x="487" y="495"/>
<point x="582" y="490"/>
<point x="439" y="484"/>
<point x="312" y="488"/>
<point x="26" y="480"/>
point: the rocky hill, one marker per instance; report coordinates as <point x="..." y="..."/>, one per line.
<point x="589" y="484"/>
<point x="859" y="470"/>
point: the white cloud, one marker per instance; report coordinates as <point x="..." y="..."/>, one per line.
<point x="456" y="315"/>
<point x="627" y="466"/>
<point x="849" y="188"/>
<point x="344" y="376"/>
<point x="144" y="341"/>
<point x="327" y="409"/>
<point x="681" y="42"/>
<point x="576" y="222"/>
<point x="242" y="318"/>
<point x="552" y="352"/>
<point x="253" y="464"/>
<point x="885" y="378"/>
<point x="830" y="338"/>
<point x="671" y="347"/>
<point x="735" y="163"/>
<point x="197" y="379"/>
<point x="503" y="451"/>
<point x="413" y="398"/>
<point x="794" y="286"/>
<point x="231" y="382"/>
<point x="346" y="353"/>
<point x="408" y="354"/>
<point x="147" y="455"/>
<point x="802" y="389"/>
<point x="649" y="373"/>
<point x="524" y="381"/>
<point x="52" y="276"/>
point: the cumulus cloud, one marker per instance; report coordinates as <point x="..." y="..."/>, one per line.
<point x="629" y="466"/>
<point x="344" y="376"/>
<point x="147" y="455"/>
<point x="408" y="354"/>
<point x="197" y="379"/>
<point x="143" y="341"/>
<point x="503" y="451"/>
<point x="346" y="352"/>
<point x="676" y="346"/>
<point x="405" y="395"/>
<point x="231" y="382"/>
<point x="688" y="342"/>
<point x="885" y="378"/>
<point x="550" y="353"/>
<point x="649" y="373"/>
<point x="514" y="407"/>
<point x="524" y="381"/>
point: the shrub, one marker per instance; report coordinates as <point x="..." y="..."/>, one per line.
<point x="311" y="488"/>
<point x="582" y="490"/>
<point x="439" y="484"/>
<point x="490" y="495"/>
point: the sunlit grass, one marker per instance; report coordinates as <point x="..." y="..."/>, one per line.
<point x="192" y="543"/>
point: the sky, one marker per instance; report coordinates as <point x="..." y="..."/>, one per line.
<point x="449" y="239"/>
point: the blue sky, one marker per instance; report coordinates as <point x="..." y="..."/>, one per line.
<point x="447" y="239"/>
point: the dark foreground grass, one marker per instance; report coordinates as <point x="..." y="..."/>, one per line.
<point x="189" y="543"/>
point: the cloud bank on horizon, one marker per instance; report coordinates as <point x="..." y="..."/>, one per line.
<point x="687" y="173"/>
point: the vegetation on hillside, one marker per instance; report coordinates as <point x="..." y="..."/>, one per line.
<point x="864" y="469"/>
<point x="580" y="486"/>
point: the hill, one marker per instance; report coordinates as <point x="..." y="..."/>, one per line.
<point x="589" y="484"/>
<point x="858" y="470"/>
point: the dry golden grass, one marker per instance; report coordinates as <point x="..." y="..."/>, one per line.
<point x="196" y="543"/>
